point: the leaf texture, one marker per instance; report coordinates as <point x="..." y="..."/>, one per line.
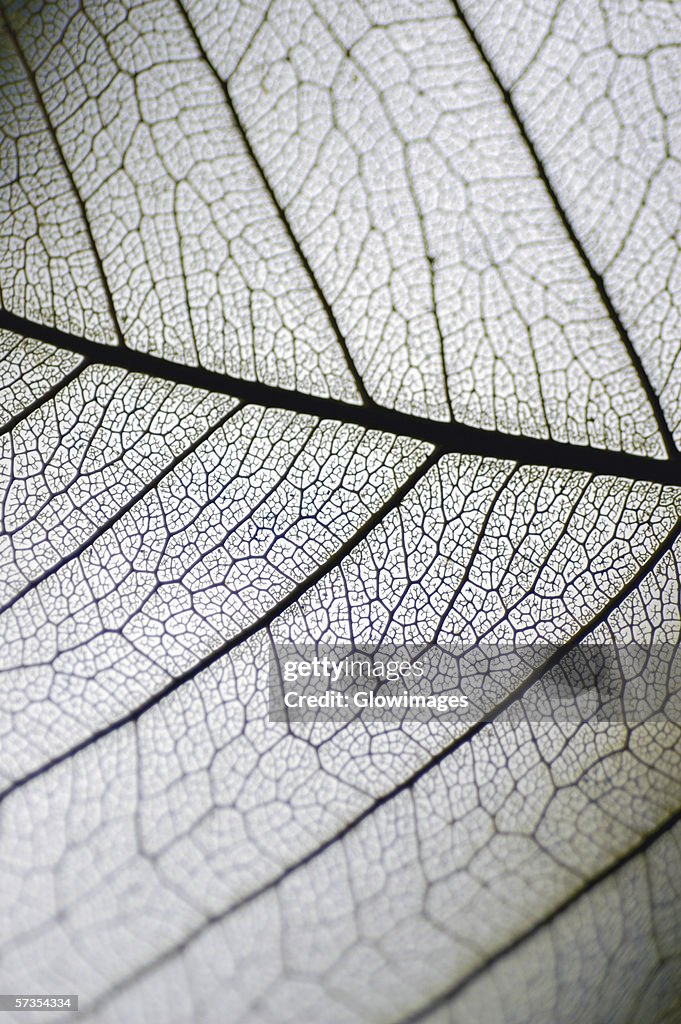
<point x="353" y="325"/>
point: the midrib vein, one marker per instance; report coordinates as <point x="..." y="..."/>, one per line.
<point x="447" y="436"/>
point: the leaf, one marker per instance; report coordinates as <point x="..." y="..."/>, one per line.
<point x="322" y="326"/>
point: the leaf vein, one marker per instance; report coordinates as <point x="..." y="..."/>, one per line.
<point x="596" y="277"/>
<point x="408" y="784"/>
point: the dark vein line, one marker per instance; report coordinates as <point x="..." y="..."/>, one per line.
<point x="62" y="160"/>
<point x="667" y="437"/>
<point x="46" y="396"/>
<point x="281" y="213"/>
<point x="406" y="785"/>
<point x="105" y="526"/>
<point x="343" y="412"/>
<point x="648" y="839"/>
<point x="417" y="206"/>
<point x="475" y="550"/>
<point x="450" y="437"/>
<point x="264" y="620"/>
